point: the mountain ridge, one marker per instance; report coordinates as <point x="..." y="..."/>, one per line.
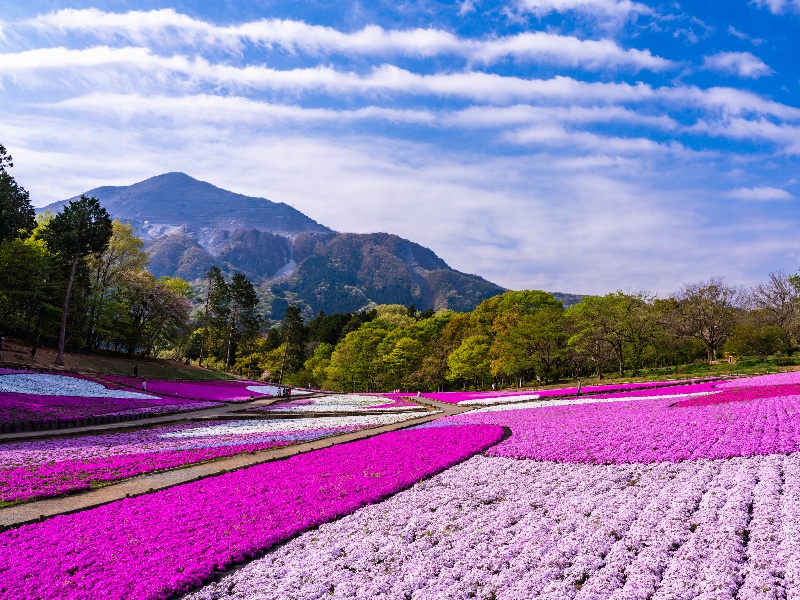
<point x="189" y="225"/>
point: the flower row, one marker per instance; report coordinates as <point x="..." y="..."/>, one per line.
<point x="160" y="544"/>
<point x="335" y="403"/>
<point x="510" y="530"/>
<point x="56" y="466"/>
<point x="650" y="429"/>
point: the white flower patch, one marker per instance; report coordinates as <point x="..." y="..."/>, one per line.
<point x="46" y="384"/>
<point x="334" y="403"/>
<point x="276" y="425"/>
<point x="585" y="400"/>
<point x="499" y="400"/>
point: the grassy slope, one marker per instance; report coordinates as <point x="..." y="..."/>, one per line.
<point x="16" y="355"/>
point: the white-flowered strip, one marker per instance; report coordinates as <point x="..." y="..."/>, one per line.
<point x="275" y="425"/>
<point x="499" y="400"/>
<point x="506" y="528"/>
<point x="787" y="535"/>
<point x="585" y="400"/>
<point x="46" y="384"/>
<point x="709" y="564"/>
<point x="334" y="403"/>
<point x="762" y="572"/>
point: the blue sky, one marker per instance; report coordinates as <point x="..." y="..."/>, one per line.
<point x="569" y="145"/>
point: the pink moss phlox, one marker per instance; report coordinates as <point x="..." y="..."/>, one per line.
<point x="220" y="391"/>
<point x="456" y="397"/>
<point x="160" y="544"/>
<point x="647" y="430"/>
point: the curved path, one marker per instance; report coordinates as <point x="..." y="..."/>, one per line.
<point x="38" y="510"/>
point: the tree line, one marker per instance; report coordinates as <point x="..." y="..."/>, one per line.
<point x="79" y="280"/>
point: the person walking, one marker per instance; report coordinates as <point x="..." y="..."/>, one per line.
<point x="144" y="386"/>
<point x="135" y="370"/>
<point x="33" y="352"/>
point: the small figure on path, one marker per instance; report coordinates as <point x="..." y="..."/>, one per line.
<point x="2" y="343"/>
<point x="33" y="352"/>
<point x="579" y="387"/>
<point x="135" y="370"/>
<point x="494" y="386"/>
<point x="144" y="386"/>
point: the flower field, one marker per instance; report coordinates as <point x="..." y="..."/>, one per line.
<point x="58" y="466"/>
<point x="507" y="396"/>
<point x="672" y="492"/>
<point x="215" y="391"/>
<point x="156" y="545"/>
<point x="53" y="399"/>
<point x="335" y="403"/>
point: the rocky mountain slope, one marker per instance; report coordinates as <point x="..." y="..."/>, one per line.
<point x="190" y="225"/>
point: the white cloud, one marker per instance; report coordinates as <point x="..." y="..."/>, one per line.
<point x="778" y="6"/>
<point x="607" y="8"/>
<point x="164" y="27"/>
<point x="485" y="87"/>
<point x="229" y="109"/>
<point x="743" y="64"/>
<point x="761" y="194"/>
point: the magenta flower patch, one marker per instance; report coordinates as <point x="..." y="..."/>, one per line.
<point x="160" y="544"/>
<point x="651" y="430"/>
<point x="216" y="391"/>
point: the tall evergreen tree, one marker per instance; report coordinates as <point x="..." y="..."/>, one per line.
<point x="294" y="337"/>
<point x="16" y="212"/>
<point x="81" y="229"/>
<point x="244" y="321"/>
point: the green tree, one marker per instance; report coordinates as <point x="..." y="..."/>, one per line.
<point x="29" y="289"/>
<point x="355" y="362"/>
<point x="708" y="311"/>
<point x="534" y="344"/>
<point x="213" y="319"/>
<point x="81" y="229"/>
<point x="470" y="361"/>
<point x="155" y="311"/>
<point x="244" y="322"/>
<point x="294" y="336"/>
<point x="124" y="254"/>
<point x="17" y="215"/>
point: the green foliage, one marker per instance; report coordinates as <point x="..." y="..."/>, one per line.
<point x="470" y="361"/>
<point x="17" y="216"/>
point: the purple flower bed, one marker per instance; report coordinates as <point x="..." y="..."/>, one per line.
<point x="456" y="397"/>
<point x="55" y="398"/>
<point x="55" y="467"/>
<point x="649" y="430"/>
<point x="521" y="529"/>
<point x="24" y="407"/>
<point x="157" y="545"/>
<point x="217" y="391"/>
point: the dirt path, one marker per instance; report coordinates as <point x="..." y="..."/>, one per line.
<point x="42" y="509"/>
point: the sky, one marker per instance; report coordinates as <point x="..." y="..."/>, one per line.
<point x="581" y="146"/>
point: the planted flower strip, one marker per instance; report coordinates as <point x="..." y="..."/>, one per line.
<point x="334" y="403"/>
<point x="649" y="430"/>
<point x="216" y="391"/>
<point x="513" y="529"/>
<point x="56" y="399"/>
<point x="160" y="544"/>
<point x="60" y="466"/>
<point x="487" y="397"/>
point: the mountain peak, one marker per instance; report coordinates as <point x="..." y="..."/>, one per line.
<point x="175" y="199"/>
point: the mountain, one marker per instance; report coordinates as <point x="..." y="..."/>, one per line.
<point x="176" y="202"/>
<point x="190" y="225"/>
